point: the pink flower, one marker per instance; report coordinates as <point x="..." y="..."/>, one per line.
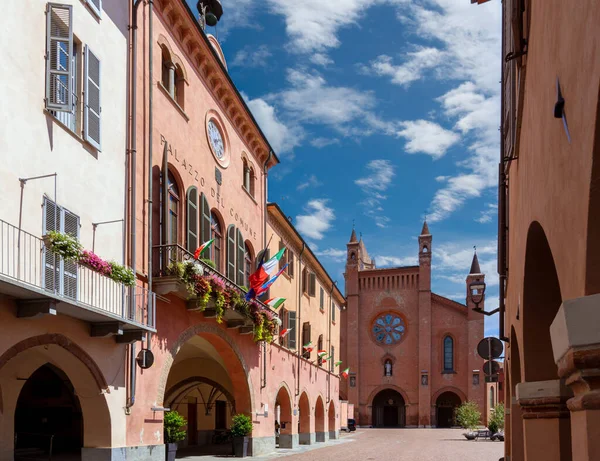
<point x="95" y="262"/>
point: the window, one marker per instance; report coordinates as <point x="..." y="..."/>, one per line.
<point x="305" y="340"/>
<point x="319" y="349"/>
<point x="290" y="268"/>
<point x="59" y="52"/>
<point x="217" y="246"/>
<point x="448" y="354"/>
<point x="173" y="209"/>
<point x="333" y="309"/>
<point x="231" y="250"/>
<point x="192" y="219"/>
<point x="246" y="178"/>
<point x="59" y="275"/>
<point x="283" y="260"/>
<point x="305" y="280"/>
<point x="283" y="316"/>
<point x="322" y="299"/>
<point x="312" y="284"/>
<point x="95" y="6"/>
<point x="92" y="98"/>
<point x="240" y="258"/>
<point x="332" y="359"/>
<point x="179" y="87"/>
<point x="292" y="327"/>
<point x="492" y="400"/>
<point x="166" y="65"/>
<point x="172" y="77"/>
<point x="205" y="223"/>
<point x="248" y="264"/>
<point x="252" y="181"/>
<point x="69" y="119"/>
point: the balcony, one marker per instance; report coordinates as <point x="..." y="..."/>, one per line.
<point x="44" y="284"/>
<point x="166" y="284"/>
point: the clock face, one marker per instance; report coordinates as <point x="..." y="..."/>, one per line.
<point x="216" y="140"/>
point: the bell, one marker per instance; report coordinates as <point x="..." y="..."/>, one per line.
<point x="211" y="19"/>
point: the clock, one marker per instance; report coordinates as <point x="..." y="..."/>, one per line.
<point x="216" y="140"/>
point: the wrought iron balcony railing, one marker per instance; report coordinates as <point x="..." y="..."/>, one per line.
<point x="25" y="262"/>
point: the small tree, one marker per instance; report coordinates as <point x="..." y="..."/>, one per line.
<point x="468" y="415"/>
<point x="173" y="424"/>
<point x="241" y="425"/>
<point x="496" y="422"/>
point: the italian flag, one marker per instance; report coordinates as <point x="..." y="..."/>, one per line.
<point x="265" y="271"/>
<point x="325" y="359"/>
<point x="308" y="347"/>
<point x="345" y="372"/>
<point x="274" y="303"/>
<point x="321" y="354"/>
<point x="338" y="363"/>
<point x="202" y="247"/>
<point x="270" y="282"/>
<point x="283" y="333"/>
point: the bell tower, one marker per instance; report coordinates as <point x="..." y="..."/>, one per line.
<point x="349" y="343"/>
<point x="476" y="330"/>
<point x="425" y="240"/>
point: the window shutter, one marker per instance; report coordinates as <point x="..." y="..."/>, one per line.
<point x="321" y="299"/>
<point x="59" y="49"/>
<point x="333" y="308"/>
<point x="332" y="359"/>
<point x="92" y="109"/>
<point x="192" y="219"/>
<point x="290" y="268"/>
<point x="292" y="327"/>
<point x="284" y="257"/>
<point x="95" y="6"/>
<point x="240" y="258"/>
<point x="51" y="222"/>
<point x="231" y="252"/>
<point x="70" y="227"/>
<point x="312" y="284"/>
<point x="304" y="281"/>
<point x="204" y="220"/>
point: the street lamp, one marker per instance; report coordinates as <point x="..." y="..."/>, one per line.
<point x="476" y="291"/>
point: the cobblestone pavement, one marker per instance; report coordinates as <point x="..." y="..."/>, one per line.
<point x="390" y="445"/>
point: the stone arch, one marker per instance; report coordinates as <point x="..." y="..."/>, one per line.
<point x="445" y="406"/>
<point x="305" y="419"/>
<point x="461" y="395"/>
<point x="319" y="417"/>
<point x="235" y="364"/>
<point x="185" y="386"/>
<point x="541" y="301"/>
<point x="24" y="358"/>
<point x="65" y="343"/>
<point x="388" y="408"/>
<point x="516" y="447"/>
<point x="331" y="416"/>
<point x="283" y="399"/>
<point x="382" y="387"/>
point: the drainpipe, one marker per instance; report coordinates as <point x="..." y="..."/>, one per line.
<point x="265" y="217"/>
<point x="150" y="190"/>
<point x="298" y="318"/>
<point x="132" y="83"/>
<point x="329" y="340"/>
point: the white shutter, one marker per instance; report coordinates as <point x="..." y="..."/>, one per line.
<point x="91" y="111"/>
<point x="59" y="49"/>
<point x="70" y="227"/>
<point x="51" y="221"/>
<point x="95" y="6"/>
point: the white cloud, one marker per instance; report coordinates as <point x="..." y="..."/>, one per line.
<point x="323" y="142"/>
<point x="452" y="261"/>
<point x="251" y="57"/>
<point x="283" y="138"/>
<point x="417" y="62"/>
<point x="311" y="181"/>
<point x="321" y="59"/>
<point x="317" y="221"/>
<point x="333" y="253"/>
<point x="427" y="137"/>
<point x="488" y="214"/>
<point x="381" y="173"/>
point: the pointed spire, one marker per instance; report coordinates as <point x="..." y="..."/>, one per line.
<point x="475" y="269"/>
<point x="353" y="236"/>
<point x="425" y="230"/>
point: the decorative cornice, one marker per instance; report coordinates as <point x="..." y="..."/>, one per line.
<point x="206" y="62"/>
<point x="581" y="369"/>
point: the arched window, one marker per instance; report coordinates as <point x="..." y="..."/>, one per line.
<point x="173" y="215"/>
<point x="166" y="68"/>
<point x="248" y="264"/>
<point x="448" y="353"/>
<point x="217" y="234"/>
<point x="492" y="400"/>
<point x="319" y="349"/>
<point x="192" y="219"/>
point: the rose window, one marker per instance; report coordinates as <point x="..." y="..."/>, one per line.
<point x="388" y="329"/>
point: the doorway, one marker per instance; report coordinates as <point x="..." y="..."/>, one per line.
<point x="389" y="409"/>
<point x="446" y="405"/>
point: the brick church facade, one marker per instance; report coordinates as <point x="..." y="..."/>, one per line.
<point x="412" y="353"/>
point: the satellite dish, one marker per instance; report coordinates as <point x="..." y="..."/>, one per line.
<point x="490" y="344"/>
<point x="491" y="367"/>
<point x="145" y="359"/>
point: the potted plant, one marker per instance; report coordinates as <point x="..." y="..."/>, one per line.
<point x="241" y="428"/>
<point x="172" y="432"/>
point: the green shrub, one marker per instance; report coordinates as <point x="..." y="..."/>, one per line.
<point x="172" y="424"/>
<point x="122" y="274"/>
<point x="241" y="425"/>
<point x="468" y="415"/>
<point x="496" y="421"/>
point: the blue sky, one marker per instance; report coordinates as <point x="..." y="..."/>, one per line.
<point x="382" y="112"/>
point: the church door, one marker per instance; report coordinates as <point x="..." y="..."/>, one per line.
<point x="389" y="409"/>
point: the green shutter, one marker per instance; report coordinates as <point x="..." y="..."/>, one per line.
<point x="240" y="258"/>
<point x="205" y="220"/>
<point x="231" y="252"/>
<point x="192" y="219"/>
<point x="292" y="327"/>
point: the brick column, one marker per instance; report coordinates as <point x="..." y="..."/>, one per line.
<point x="576" y="344"/>
<point x="546" y="428"/>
